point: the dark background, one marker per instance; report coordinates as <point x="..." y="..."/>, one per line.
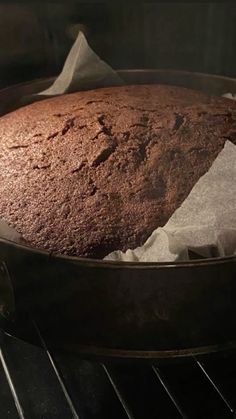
<point x="36" y="36"/>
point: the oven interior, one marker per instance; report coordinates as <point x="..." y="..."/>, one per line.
<point x="37" y="381"/>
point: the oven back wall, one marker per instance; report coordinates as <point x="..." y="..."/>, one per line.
<point x="36" y="36"/>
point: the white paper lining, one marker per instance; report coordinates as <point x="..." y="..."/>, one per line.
<point x="204" y="223"/>
<point x="83" y="69"/>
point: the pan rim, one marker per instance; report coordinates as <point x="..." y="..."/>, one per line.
<point x="110" y="264"/>
<point x="110" y="353"/>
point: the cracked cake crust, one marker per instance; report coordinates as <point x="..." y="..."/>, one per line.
<point x="91" y="172"/>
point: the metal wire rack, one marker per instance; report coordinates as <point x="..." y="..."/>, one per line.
<point x="38" y="383"/>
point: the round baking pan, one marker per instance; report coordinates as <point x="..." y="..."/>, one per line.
<point x="117" y="309"/>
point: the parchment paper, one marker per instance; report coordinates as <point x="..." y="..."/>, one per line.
<point x="83" y="69"/>
<point x="206" y="221"/>
<point x="9" y="233"/>
<point x="230" y="96"/>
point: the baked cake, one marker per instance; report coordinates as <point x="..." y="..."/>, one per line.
<point x="91" y="172"/>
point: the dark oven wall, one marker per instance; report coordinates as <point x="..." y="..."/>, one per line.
<point x="35" y="36"/>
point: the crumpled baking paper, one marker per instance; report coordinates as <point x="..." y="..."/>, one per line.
<point x="199" y="224"/>
<point x="205" y="223"/>
<point x="83" y="69"/>
<point x="230" y="96"/>
<point x="9" y="233"/>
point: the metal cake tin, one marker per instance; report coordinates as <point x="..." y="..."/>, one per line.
<point x="118" y="309"/>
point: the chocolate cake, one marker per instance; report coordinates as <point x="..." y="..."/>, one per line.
<point x="91" y="172"/>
